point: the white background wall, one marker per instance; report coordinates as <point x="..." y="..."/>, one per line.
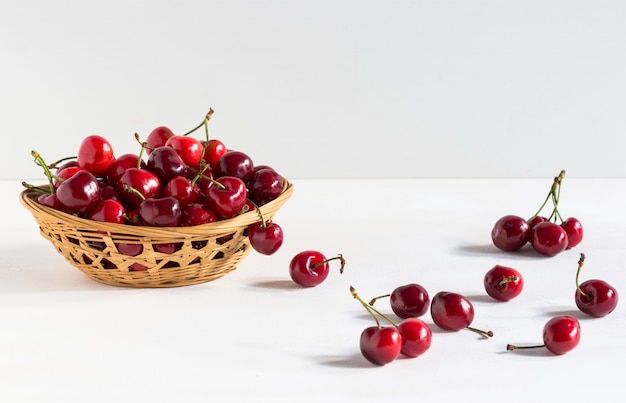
<point x="325" y="88"/>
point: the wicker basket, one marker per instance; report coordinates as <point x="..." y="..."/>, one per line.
<point x="202" y="253"/>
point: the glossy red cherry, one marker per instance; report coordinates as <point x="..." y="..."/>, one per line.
<point x="227" y="196"/>
<point x="235" y="163"/>
<point x="453" y="311"/>
<point x="510" y="233"/>
<point x="548" y="238"/>
<point x="95" y="154"/>
<point x="166" y="163"/>
<point x="196" y="214"/>
<point x="310" y="268"/>
<point x="108" y="210"/>
<point x="143" y="181"/>
<point x="121" y="164"/>
<point x="407" y="301"/>
<point x="594" y="297"/>
<point x="416" y="337"/>
<point x="574" y="230"/>
<point x="264" y="186"/>
<point x="380" y="345"/>
<point x="189" y="148"/>
<point x="213" y="151"/>
<point x="186" y="191"/>
<point x="503" y="283"/>
<point x="157" y="138"/>
<point x="64" y="174"/>
<point x="80" y="193"/>
<point x="266" y="238"/>
<point x="561" y="334"/>
<point x="536" y="220"/>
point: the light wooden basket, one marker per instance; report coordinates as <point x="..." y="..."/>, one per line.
<point x="206" y="252"/>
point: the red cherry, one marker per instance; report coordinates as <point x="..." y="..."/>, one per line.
<point x="189" y="149"/>
<point x="310" y="268"/>
<point x="594" y="297"/>
<point x="213" y="151"/>
<point x="157" y="138"/>
<point x="235" y="163"/>
<point x="166" y="163"/>
<point x="95" y="154"/>
<point x="548" y="238"/>
<point x="536" y="220"/>
<point x="574" y="230"/>
<point x="227" y="196"/>
<point x="64" y="174"/>
<point x="380" y="345"/>
<point x="196" y="214"/>
<point x="265" y="237"/>
<point x="503" y="283"/>
<point x="453" y="311"/>
<point x="121" y="164"/>
<point x="416" y="337"/>
<point x="80" y="193"/>
<point x="143" y="181"/>
<point x="510" y="233"/>
<point x="561" y="334"/>
<point x="184" y="190"/>
<point x="160" y="212"/>
<point x="265" y="185"/>
<point x="407" y="301"/>
<point x="108" y="210"/>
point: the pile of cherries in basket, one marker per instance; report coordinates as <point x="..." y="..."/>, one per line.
<point x="184" y="181"/>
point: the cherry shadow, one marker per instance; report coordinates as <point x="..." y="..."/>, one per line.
<point x="351" y="361"/>
<point x="286" y="285"/>
<point x="526" y="253"/>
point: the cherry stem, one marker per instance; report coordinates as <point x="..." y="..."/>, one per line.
<point x="372" y="311"/>
<point x="554" y="195"/>
<point x="39" y="160"/>
<point x="260" y="213"/>
<point x="511" y="347"/>
<point x="56" y="163"/>
<point x="487" y="333"/>
<point x="507" y="280"/>
<point x="373" y="300"/>
<point x="143" y="145"/>
<point x="581" y="263"/>
<point x="129" y="188"/>
<point x="338" y="257"/>
<point x="205" y="123"/>
<point x="35" y="188"/>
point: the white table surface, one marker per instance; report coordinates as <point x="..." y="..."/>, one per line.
<point x="255" y="336"/>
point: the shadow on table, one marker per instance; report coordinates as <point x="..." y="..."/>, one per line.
<point x="489" y="250"/>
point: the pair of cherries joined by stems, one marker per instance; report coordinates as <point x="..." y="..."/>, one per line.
<point x="549" y="235"/>
<point x="183" y="182"/>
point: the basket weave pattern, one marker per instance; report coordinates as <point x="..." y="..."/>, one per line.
<point x="198" y="254"/>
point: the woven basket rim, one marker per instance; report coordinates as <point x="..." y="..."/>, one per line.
<point x="27" y="199"/>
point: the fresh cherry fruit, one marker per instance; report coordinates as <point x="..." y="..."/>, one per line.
<point x="264" y="186"/>
<point x="196" y="214"/>
<point x="189" y="149"/>
<point x="536" y="220"/>
<point x="157" y="138"/>
<point x="49" y="200"/>
<point x="95" y="154"/>
<point x="310" y="268"/>
<point x="143" y="181"/>
<point x="166" y="163"/>
<point x="109" y="192"/>
<point x="548" y="238"/>
<point x="510" y="233"/>
<point x="227" y="196"/>
<point x="407" y="301"/>
<point x="265" y="237"/>
<point x="453" y="311"/>
<point x="380" y="345"/>
<point x="64" y="174"/>
<point x="186" y="191"/>
<point x="121" y="164"/>
<point x="108" y="210"/>
<point x="416" y="337"/>
<point x="80" y="193"/>
<point x="503" y="283"/>
<point x="160" y="212"/>
<point x="574" y="230"/>
<point x="213" y="151"/>
<point x="235" y="163"/>
<point x="594" y="297"/>
<point x="561" y="335"/>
